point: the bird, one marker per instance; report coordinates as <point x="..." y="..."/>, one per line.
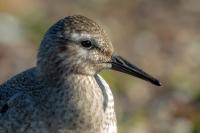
<point x="63" y="92"/>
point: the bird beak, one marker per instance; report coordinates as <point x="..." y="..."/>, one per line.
<point x="120" y="64"/>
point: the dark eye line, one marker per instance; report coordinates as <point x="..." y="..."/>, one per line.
<point x="63" y="40"/>
<point x="95" y="44"/>
<point x="91" y="44"/>
<point x="98" y="48"/>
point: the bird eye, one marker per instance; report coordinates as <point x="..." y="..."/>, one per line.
<point x="87" y="44"/>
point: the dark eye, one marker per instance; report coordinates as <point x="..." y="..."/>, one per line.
<point x="87" y="44"/>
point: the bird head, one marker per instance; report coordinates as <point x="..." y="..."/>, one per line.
<point x="79" y="45"/>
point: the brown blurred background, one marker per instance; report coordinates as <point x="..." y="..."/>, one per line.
<point x="160" y="36"/>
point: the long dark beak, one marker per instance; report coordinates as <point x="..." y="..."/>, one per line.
<point x="120" y="64"/>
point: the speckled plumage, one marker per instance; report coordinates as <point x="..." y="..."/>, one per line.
<point x="63" y="93"/>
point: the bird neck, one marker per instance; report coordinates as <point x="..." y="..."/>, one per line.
<point x="85" y="86"/>
<point x="78" y="98"/>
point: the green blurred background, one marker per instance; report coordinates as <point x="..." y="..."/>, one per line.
<point x="160" y="36"/>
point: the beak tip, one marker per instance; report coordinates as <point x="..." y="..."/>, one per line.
<point x="157" y="83"/>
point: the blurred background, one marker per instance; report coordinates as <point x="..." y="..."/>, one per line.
<point x="160" y="36"/>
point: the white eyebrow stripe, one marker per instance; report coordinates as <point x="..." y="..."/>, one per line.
<point x="78" y="37"/>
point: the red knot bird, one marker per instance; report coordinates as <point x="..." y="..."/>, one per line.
<point x="63" y="93"/>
